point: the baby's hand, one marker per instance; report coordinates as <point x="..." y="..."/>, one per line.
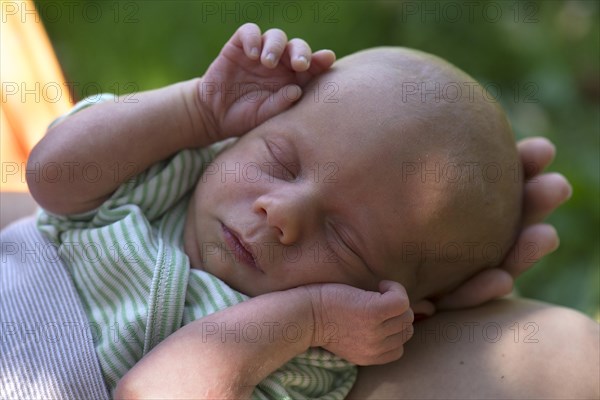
<point x="254" y="78"/>
<point x="363" y="327"/>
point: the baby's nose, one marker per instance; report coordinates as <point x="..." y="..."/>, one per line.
<point x="290" y="216"/>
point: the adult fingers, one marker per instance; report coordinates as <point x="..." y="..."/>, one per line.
<point x="274" y="43"/>
<point x="248" y="37"/>
<point x="543" y="195"/>
<point x="484" y="286"/>
<point x="533" y="243"/>
<point x="536" y="154"/>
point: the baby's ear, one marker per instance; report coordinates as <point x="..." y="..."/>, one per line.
<point x="423" y="309"/>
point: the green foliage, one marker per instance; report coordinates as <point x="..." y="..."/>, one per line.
<point x="541" y="56"/>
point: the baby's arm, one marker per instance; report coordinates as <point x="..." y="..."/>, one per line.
<point x="119" y="138"/>
<point x="245" y="85"/>
<point x="364" y="327"/>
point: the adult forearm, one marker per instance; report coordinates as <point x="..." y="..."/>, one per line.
<point x="82" y="160"/>
<point x="226" y="354"/>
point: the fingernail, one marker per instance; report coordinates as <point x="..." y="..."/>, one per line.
<point x="302" y="59"/>
<point x="270" y="58"/>
<point x="254" y="52"/>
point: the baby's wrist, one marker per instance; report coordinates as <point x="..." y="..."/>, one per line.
<point x="314" y="297"/>
<point x="203" y="130"/>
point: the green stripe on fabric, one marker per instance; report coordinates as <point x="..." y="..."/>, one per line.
<point x="124" y="302"/>
<point x="173" y="223"/>
<point x="143" y="294"/>
<point x="273" y="390"/>
<point x="145" y="265"/>
<point x="194" y="295"/>
<point x="121" y="285"/>
<point x="150" y="253"/>
<point x="211" y="300"/>
<point x="219" y="288"/>
<point x="87" y="276"/>
<point x="155" y="194"/>
<point x="167" y="194"/>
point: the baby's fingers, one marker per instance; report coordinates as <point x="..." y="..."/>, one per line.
<point x="322" y="60"/>
<point x="248" y="36"/>
<point x="391" y="349"/>
<point x="399" y="324"/>
<point x="393" y="301"/>
<point x="274" y="43"/>
<point x="388" y="357"/>
<point x="300" y="54"/>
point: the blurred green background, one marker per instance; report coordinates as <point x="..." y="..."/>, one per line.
<point x="540" y="58"/>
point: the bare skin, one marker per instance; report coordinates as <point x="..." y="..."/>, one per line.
<point x="505" y="349"/>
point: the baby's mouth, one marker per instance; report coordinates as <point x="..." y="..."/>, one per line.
<point x="240" y="249"/>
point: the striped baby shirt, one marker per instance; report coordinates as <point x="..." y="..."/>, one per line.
<point x="127" y="263"/>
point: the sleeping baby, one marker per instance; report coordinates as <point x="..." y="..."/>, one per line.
<point x="268" y="265"/>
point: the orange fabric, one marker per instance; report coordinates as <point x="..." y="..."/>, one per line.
<point x="33" y="90"/>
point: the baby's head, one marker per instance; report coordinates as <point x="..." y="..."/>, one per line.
<point x="394" y="165"/>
